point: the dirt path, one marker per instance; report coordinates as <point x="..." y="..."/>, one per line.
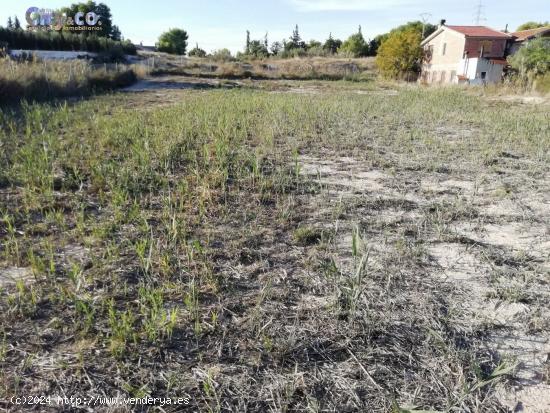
<point x="167" y="83"/>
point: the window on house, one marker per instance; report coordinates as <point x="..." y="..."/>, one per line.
<point x="444" y="49"/>
<point x="483" y="75"/>
<point x="485" y="47"/>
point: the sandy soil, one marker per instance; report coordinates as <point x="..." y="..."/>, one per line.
<point x="465" y="266"/>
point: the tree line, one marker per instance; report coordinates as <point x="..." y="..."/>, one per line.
<point x="354" y="46"/>
<point x="20" y="39"/>
<point x="108" y="39"/>
<point x="175" y="41"/>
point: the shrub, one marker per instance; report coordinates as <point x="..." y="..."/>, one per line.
<point x="115" y="55"/>
<point x="332" y="45"/>
<point x="290" y="53"/>
<point x="308" y="236"/>
<point x="102" y="81"/>
<point x="533" y="59"/>
<point x="318" y="51"/>
<point x="197" y="52"/>
<point x="46" y="80"/>
<point x="532" y="25"/>
<point x="222" y="55"/>
<point x="542" y="83"/>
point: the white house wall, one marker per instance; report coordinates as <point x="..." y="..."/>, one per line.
<point x="442" y="66"/>
<point x="472" y="69"/>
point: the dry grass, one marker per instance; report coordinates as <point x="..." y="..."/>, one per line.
<point x="42" y="80"/>
<point x="259" y="251"/>
<point x="293" y="69"/>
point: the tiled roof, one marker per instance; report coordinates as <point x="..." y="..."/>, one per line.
<point x="479" y="31"/>
<point x="527" y="34"/>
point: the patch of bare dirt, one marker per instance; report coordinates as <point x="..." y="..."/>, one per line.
<point x="494" y="262"/>
<point x="522" y="99"/>
<point x="177" y="83"/>
<point x="11" y="275"/>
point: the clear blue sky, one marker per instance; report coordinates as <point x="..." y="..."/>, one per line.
<point x="222" y="23"/>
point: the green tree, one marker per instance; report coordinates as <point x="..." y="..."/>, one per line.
<point x="197" y="52"/>
<point x="355" y="45"/>
<point x="16" y="24"/>
<point x="174" y="41"/>
<point x="532" y="25"/>
<point x="416" y="26"/>
<point x="296" y="41"/>
<point x="115" y="33"/>
<point x="9" y="24"/>
<point x="257" y="49"/>
<point x="332" y="45"/>
<point x="102" y="10"/>
<point x="276" y="48"/>
<point x="314" y="44"/>
<point x="222" y="55"/>
<point x="532" y="59"/>
<point x="247" y="46"/>
<point x="374" y="44"/>
<point x="400" y="54"/>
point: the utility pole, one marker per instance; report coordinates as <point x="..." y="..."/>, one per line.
<point x="479" y="14"/>
<point x="425" y="18"/>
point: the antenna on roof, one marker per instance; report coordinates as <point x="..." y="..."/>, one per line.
<point x="480" y="13"/>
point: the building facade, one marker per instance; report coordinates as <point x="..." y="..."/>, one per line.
<point x="464" y="54"/>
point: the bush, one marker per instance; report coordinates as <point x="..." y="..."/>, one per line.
<point x="115" y="55"/>
<point x="532" y="25"/>
<point x="332" y="45"/>
<point x="542" y="83"/>
<point x="308" y="236"/>
<point x="222" y="55"/>
<point x="30" y="80"/>
<point x="291" y="53"/>
<point x="532" y="59"/>
<point x="197" y="52"/>
<point x="3" y="49"/>
<point x="318" y="51"/>
<point x="102" y="81"/>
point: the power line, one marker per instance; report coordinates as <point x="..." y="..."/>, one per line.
<point x="425" y="18"/>
<point x="479" y="13"/>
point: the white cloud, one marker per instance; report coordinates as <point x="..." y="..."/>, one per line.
<point x="346" y="5"/>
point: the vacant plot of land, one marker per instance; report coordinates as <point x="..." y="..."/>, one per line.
<point x="299" y="69"/>
<point x="278" y="247"/>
